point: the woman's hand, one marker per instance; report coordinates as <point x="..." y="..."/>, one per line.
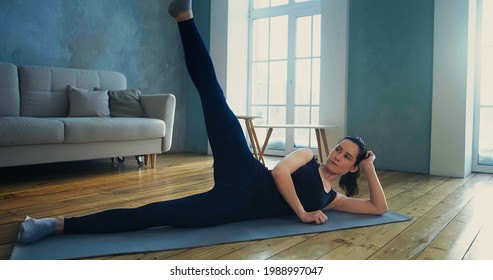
<point x="317" y="217"/>
<point x="367" y="163"/>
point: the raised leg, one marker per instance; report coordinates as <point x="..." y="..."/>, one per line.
<point x="232" y="156"/>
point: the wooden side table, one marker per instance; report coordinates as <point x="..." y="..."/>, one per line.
<point x="252" y="135"/>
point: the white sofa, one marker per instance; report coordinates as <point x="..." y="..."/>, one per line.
<point x="35" y="126"/>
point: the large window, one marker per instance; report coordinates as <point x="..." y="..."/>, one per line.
<point x="284" y="80"/>
<point x="484" y="90"/>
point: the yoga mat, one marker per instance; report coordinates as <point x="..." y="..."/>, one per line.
<point x="169" y="238"/>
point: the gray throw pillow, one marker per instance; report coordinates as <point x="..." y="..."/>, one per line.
<point x="87" y="103"/>
<point x="125" y="103"/>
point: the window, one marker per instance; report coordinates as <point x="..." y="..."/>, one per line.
<point x="484" y="91"/>
<point x="284" y="76"/>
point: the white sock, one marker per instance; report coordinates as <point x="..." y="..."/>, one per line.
<point x="32" y="230"/>
<point x="178" y="6"/>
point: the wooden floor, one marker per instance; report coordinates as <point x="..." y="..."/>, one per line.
<point x="452" y="218"/>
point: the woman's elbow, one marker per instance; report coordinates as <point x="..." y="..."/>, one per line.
<point x="381" y="210"/>
<point x="275" y="172"/>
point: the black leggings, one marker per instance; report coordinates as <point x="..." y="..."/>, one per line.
<point x="234" y="165"/>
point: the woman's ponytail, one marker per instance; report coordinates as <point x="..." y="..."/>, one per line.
<point x="349" y="183"/>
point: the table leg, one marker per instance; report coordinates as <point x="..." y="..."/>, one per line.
<point x="249" y="127"/>
<point x="320" y="156"/>
<point x="266" y="142"/>
<point x="253" y="140"/>
<point x="322" y="144"/>
<point x="324" y="138"/>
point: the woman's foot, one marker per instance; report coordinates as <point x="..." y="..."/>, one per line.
<point x="32" y="230"/>
<point x="181" y="10"/>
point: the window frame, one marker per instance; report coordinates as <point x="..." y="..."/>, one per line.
<point x="293" y="10"/>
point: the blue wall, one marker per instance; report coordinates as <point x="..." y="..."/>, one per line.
<point x="134" y="37"/>
<point x="390" y="75"/>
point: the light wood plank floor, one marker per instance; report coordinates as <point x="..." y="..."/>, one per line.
<point x="451" y="217"/>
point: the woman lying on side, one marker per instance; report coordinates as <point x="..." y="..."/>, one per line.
<point x="244" y="188"/>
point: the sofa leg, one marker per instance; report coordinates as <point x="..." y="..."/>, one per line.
<point x="153" y="160"/>
<point x="146" y="160"/>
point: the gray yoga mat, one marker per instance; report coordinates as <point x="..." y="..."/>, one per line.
<point x="169" y="238"/>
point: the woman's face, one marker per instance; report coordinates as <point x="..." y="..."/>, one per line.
<point x="342" y="158"/>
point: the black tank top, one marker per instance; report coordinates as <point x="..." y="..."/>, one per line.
<point x="267" y="201"/>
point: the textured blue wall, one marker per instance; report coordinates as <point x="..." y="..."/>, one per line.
<point x="390" y="73"/>
<point x="134" y="37"/>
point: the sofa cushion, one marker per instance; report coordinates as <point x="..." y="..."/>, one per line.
<point x="125" y="103"/>
<point x="43" y="89"/>
<point x="95" y="129"/>
<point x="28" y="131"/>
<point x="9" y="90"/>
<point x="87" y="103"/>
